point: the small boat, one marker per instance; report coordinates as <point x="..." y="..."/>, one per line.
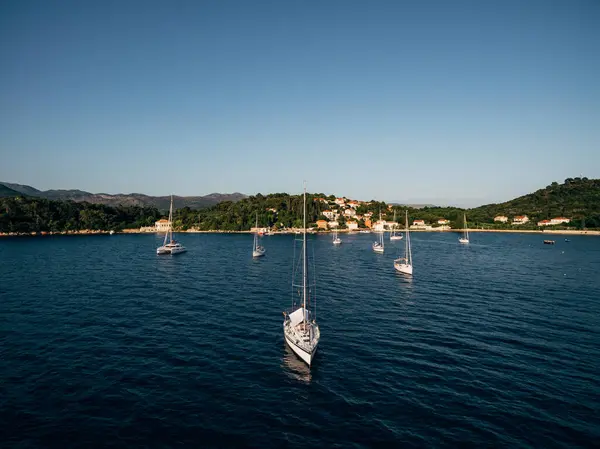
<point x="257" y="250"/>
<point x="404" y="264"/>
<point x="336" y="239"/>
<point x="465" y="238"/>
<point x="393" y="235"/>
<point x="379" y="246"/>
<point x="172" y="247"/>
<point x="300" y="328"/>
<point x="111" y="232"/>
<point x="567" y="240"/>
<point x="549" y="242"/>
<point x="365" y="231"/>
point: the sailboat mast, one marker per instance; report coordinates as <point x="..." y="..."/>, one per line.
<point x="407" y="252"/>
<point x="304" y="262"/>
<point x="256" y="233"/>
<point x="169" y="233"/>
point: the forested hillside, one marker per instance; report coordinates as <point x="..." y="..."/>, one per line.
<point x="577" y="199"/>
<point x="28" y="214"/>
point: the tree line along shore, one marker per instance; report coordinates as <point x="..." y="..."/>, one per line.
<point x="577" y="198"/>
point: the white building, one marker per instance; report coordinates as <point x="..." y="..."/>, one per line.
<point x="443" y="221"/>
<point x="349" y="212"/>
<point x="418" y="223"/>
<point x="330" y="214"/>
<point x="501" y="218"/>
<point x="520" y="219"/>
<point x="379" y="226"/>
<point x="340" y="201"/>
<point x="162" y="225"/>
<point x="333" y="224"/>
<point x="353" y="204"/>
<point x="352" y="225"/>
<point x="554" y="221"/>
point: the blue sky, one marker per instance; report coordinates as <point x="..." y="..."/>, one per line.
<point x="449" y="102"/>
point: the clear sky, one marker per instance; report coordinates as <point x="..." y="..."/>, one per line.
<point x="449" y="102"/>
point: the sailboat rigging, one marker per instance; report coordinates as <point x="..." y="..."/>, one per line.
<point x="379" y="246"/>
<point x="393" y="235"/>
<point x="300" y="328"/>
<point x="172" y="247"/>
<point x="465" y="238"/>
<point x="404" y="264"/>
<point x="336" y="239"/>
<point x="257" y="250"/>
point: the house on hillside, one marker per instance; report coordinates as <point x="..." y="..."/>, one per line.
<point x="352" y="225"/>
<point x="162" y="225"/>
<point x="418" y="223"/>
<point x="501" y="218"/>
<point x="379" y="226"/>
<point x="322" y="224"/>
<point x="520" y="219"/>
<point x="333" y="224"/>
<point x="349" y="212"/>
<point x="554" y="221"/>
<point x="353" y="204"/>
<point x="330" y="214"/>
<point x="340" y="201"/>
<point x="443" y="221"/>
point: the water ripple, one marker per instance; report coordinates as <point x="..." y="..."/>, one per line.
<point x="491" y="345"/>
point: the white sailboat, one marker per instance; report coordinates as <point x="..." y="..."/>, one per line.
<point x="393" y="235"/>
<point x="300" y="327"/>
<point x="257" y="250"/>
<point x="465" y="238"/>
<point x="336" y="239"/>
<point x="404" y="264"/>
<point x="379" y="246"/>
<point x="172" y="247"/>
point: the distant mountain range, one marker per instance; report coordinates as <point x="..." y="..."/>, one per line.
<point x="8" y="189"/>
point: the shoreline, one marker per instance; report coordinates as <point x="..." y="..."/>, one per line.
<point x="345" y="231"/>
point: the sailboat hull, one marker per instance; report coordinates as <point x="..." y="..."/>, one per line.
<point x="396" y="237"/>
<point x="258" y="253"/>
<point x="306" y="356"/>
<point x="163" y="251"/>
<point x="403" y="268"/>
<point x="463" y="241"/>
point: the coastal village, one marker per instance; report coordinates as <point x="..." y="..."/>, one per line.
<point x="342" y="215"/>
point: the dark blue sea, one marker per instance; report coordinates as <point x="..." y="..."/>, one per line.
<point x="105" y="344"/>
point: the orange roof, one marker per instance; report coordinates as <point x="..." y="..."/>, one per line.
<point x="519" y="217"/>
<point x="162" y="220"/>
